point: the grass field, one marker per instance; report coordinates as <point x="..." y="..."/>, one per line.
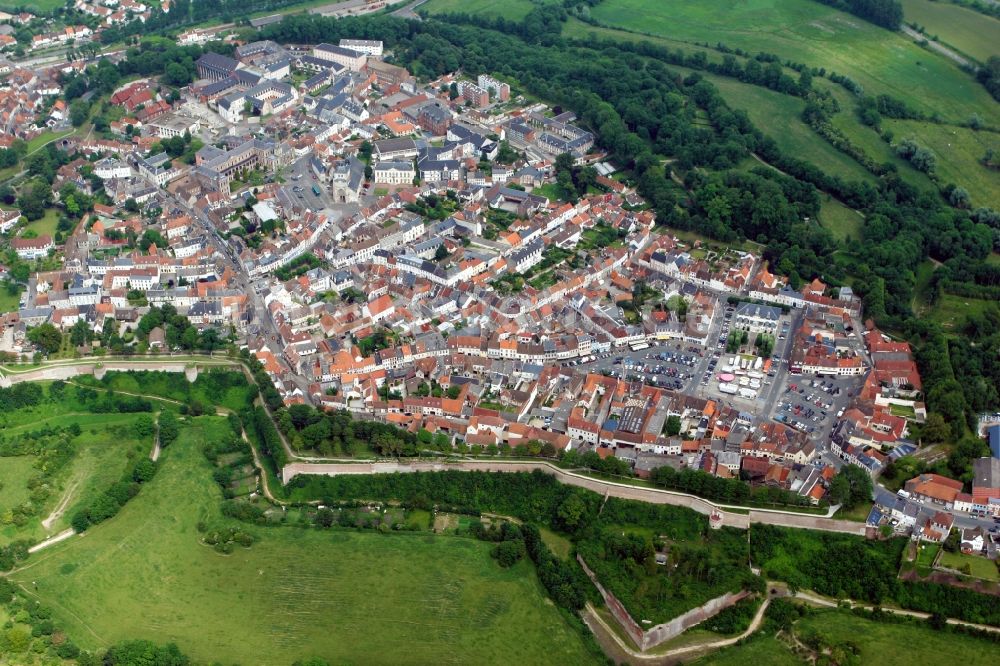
<point x="897" y="644"/>
<point x="809" y="32"/>
<point x="33" y="6"/>
<point x="964" y="30"/>
<point x="103" y="449"/>
<point x="558" y="544"/>
<point x="958" y="151"/>
<point x="980" y="566"/>
<point x="348" y="597"/>
<point x="842" y="222"/>
<point x="780" y="117"/>
<point x="759" y="650"/>
<point x="950" y="311"/>
<point x="514" y="10"/>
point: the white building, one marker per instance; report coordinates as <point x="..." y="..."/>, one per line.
<point x="371" y="47"/>
<point x="394" y="173"/>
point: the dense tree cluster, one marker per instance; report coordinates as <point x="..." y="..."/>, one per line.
<point x="111" y="501"/>
<point x="886" y="13"/>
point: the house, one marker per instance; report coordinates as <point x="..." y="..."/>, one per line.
<point x="395" y="149"/>
<point x="935" y="488"/>
<point x="973" y="541"/>
<point x="33" y="248"/>
<point x="986" y="485"/>
<point x="157" y="338"/>
<point x="937" y="527"/>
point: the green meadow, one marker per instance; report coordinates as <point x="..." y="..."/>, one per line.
<point x="346" y="596"/>
<point x="810" y="32"/>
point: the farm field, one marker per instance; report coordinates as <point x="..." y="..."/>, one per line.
<point x="964" y="30"/>
<point x="881" y="643"/>
<point x="881" y="61"/>
<point x="296" y="593"/>
<point x="514" y="10"/>
<point x="958" y="151"/>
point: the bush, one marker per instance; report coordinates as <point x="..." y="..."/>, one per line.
<point x="509" y="553"/>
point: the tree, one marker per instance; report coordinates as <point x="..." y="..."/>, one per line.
<point x="47" y="337"/>
<point x="169" y="428"/>
<point x="672" y="426"/>
<point x="571" y="512"/>
<point x="935" y="430"/>
<point x="441" y="253"/>
<point x="79" y="334"/>
<point x="509" y="553"/>
<point x="177" y="74"/>
<point x="851" y="486"/>
<point x="79" y="111"/>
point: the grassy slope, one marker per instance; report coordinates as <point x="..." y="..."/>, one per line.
<point x="780" y="117"/>
<point x="882" y="62"/>
<point x="509" y="9"/>
<point x="349" y="597"/>
<point x="759" y="650"/>
<point x="102" y="455"/>
<point x="840" y="220"/>
<point x="965" y="30"/>
<point x="886" y="644"/>
<point x="958" y="151"/>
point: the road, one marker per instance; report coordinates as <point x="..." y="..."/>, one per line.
<point x="410" y="10"/>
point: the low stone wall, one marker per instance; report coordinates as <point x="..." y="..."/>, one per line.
<point x="650" y="638"/>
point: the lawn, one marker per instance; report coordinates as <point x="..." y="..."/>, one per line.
<point x="842" y="222"/>
<point x="810" y="32"/>
<point x="553" y="192"/>
<point x="349" y="597"/>
<point x="898" y="644"/>
<point x="958" y="151"/>
<point x="962" y="29"/>
<point x="8" y="301"/>
<point x="46" y="225"/>
<point x="34" y="6"/>
<point x="45" y="137"/>
<point x="515" y="10"/>
<point x="925" y="557"/>
<point x="557" y="543"/>
<point x="759" y="649"/>
<point x="980" y="566"/>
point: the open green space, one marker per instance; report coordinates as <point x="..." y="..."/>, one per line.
<point x="926" y="553"/>
<point x="842" y="222"/>
<point x="813" y="33"/>
<point x="9" y="301"/>
<point x="958" y="151"/>
<point x="979" y="567"/>
<point x="225" y="388"/>
<point x="950" y="311"/>
<point x="896" y="644"/>
<point x="759" y="649"/>
<point x="514" y="10"/>
<point x="557" y="543"/>
<point x="53" y="471"/>
<point x="13" y="472"/>
<point x="964" y="30"/>
<point x="45" y="137"/>
<point x="296" y="593"/>
<point x="46" y="225"/>
<point x="780" y="117"/>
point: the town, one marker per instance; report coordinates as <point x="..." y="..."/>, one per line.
<point x="453" y="258"/>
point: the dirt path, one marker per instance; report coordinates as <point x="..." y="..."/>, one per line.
<point x="619" y="651"/>
<point x="936" y="46"/>
<point x="60" y="508"/>
<point x="829" y="603"/>
<point x="154" y="455"/>
<point x="51" y="541"/>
